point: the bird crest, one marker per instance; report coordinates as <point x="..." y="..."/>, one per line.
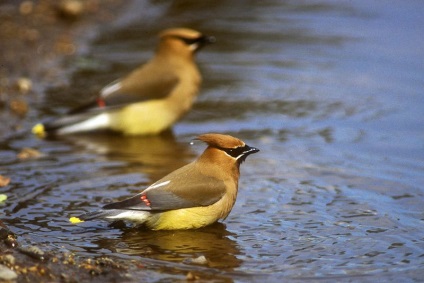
<point x="220" y="140"/>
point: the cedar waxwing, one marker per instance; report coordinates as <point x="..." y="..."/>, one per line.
<point x="147" y="101"/>
<point x="193" y="196"/>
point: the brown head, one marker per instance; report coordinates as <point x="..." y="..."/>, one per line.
<point x="183" y="39"/>
<point x="230" y="149"/>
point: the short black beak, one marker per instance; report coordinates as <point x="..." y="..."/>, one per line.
<point x="250" y="150"/>
<point x="208" y="39"/>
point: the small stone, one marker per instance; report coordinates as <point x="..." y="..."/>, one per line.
<point x="19" y="107"/>
<point x="65" y="46"/>
<point x="4" y="181"/>
<point x="34" y="252"/>
<point x="11" y="241"/>
<point x="7" y="274"/>
<point x="191" y="277"/>
<point x="64" y="277"/>
<point x="201" y="260"/>
<point x="26" y="7"/>
<point x="10" y="259"/>
<point x="8" y="237"/>
<point x="71" y="9"/>
<point x="27" y="153"/>
<point x="3" y="198"/>
<point x="24" y="85"/>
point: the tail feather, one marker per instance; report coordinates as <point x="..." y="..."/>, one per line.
<point x="99" y="214"/>
<point x="78" y="123"/>
<point x="91" y="120"/>
<point x="116" y="214"/>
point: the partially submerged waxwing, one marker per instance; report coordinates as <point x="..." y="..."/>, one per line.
<point x="147" y="101"/>
<point x="193" y="196"/>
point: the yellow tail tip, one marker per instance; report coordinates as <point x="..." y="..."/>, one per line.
<point x="39" y="131"/>
<point x="75" y="220"/>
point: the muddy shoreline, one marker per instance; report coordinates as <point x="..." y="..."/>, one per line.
<point x="29" y="263"/>
<point x="36" y="38"/>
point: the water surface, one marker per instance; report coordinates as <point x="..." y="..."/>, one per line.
<point x="331" y="92"/>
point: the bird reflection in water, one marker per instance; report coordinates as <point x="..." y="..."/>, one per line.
<point x="213" y="242"/>
<point x="154" y="156"/>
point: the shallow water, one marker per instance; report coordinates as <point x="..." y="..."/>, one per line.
<point x="331" y="92"/>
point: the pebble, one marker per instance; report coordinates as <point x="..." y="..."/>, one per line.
<point x="27" y="153"/>
<point x="34" y="252"/>
<point x="26" y="7"/>
<point x="10" y="240"/>
<point x="191" y="277"/>
<point x="201" y="260"/>
<point x="3" y="197"/>
<point x="24" y="85"/>
<point x="19" y="107"/>
<point x="7" y="274"/>
<point x="10" y="259"/>
<point x="71" y="8"/>
<point x="4" y="181"/>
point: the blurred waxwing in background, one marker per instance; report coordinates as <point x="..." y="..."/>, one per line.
<point x="147" y="101"/>
<point x="193" y="196"/>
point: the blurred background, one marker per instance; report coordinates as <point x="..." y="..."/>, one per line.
<point x="331" y="92"/>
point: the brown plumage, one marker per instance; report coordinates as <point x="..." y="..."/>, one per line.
<point x="147" y="101"/>
<point x="196" y="195"/>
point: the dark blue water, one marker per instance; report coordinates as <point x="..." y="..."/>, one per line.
<point x="330" y="91"/>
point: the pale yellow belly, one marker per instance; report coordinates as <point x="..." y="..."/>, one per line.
<point x="147" y="118"/>
<point x="188" y="218"/>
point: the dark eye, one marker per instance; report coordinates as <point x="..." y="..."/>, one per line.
<point x="189" y="41"/>
<point x="235" y="152"/>
<point x="240" y="153"/>
<point x="201" y="40"/>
